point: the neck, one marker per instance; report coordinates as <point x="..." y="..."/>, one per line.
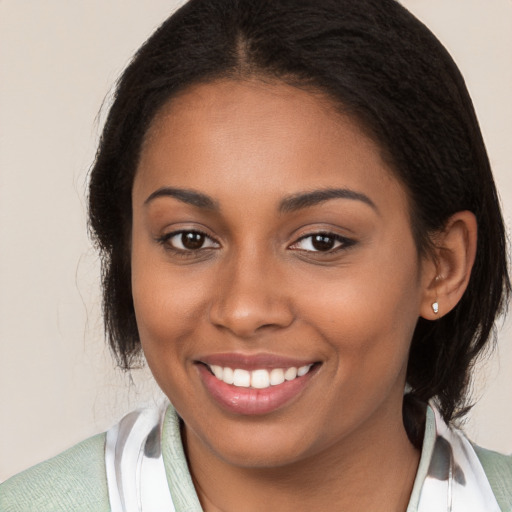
<point x="372" y="469"/>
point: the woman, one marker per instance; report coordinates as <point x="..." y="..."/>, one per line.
<point x="296" y="216"/>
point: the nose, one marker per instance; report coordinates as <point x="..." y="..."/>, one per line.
<point x="251" y="297"/>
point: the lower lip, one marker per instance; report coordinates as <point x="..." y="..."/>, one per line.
<point x="250" y="401"/>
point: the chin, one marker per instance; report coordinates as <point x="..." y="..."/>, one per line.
<point x="258" y="456"/>
<point x="256" y="446"/>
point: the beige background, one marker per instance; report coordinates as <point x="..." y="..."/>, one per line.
<point x="58" y="59"/>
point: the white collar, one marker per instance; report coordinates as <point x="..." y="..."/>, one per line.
<point x="452" y="479"/>
<point x="455" y="479"/>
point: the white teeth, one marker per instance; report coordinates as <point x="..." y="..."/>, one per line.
<point x="241" y="378"/>
<point x="227" y="375"/>
<point x="276" y="376"/>
<point x="217" y="371"/>
<point x="258" y="379"/>
<point x="290" y="373"/>
<point x="303" y="370"/>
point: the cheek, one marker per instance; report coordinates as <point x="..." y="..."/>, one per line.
<point x="368" y="313"/>
<point x="167" y="302"/>
<point x="164" y="312"/>
<point x="167" y="313"/>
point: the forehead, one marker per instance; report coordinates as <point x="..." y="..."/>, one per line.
<point x="271" y="138"/>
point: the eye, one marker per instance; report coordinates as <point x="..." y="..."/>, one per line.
<point x="188" y="241"/>
<point x="322" y="242"/>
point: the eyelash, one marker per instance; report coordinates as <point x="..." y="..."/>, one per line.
<point x="165" y="240"/>
<point x="344" y="243"/>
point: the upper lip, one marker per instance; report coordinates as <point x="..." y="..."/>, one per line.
<point x="253" y="361"/>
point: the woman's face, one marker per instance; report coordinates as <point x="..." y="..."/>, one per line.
<point x="270" y="238"/>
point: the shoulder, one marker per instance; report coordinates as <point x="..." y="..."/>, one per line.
<point x="74" y="480"/>
<point x="498" y="468"/>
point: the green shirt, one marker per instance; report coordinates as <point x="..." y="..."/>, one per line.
<point x="76" y="480"/>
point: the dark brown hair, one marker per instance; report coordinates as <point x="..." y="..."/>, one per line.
<point x="374" y="60"/>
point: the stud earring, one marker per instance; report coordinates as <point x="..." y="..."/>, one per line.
<point x="435" y="305"/>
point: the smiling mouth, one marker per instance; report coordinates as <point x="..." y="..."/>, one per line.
<point x="258" y="378"/>
<point x="255" y="385"/>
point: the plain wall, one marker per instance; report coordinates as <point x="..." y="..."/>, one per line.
<point x="58" y="60"/>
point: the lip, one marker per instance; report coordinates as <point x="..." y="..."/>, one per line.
<point x="254" y="361"/>
<point x="250" y="401"/>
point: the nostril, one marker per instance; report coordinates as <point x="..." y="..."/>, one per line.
<point x="250" y="317"/>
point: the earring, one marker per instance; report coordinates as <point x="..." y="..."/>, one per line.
<point x="435" y="305"/>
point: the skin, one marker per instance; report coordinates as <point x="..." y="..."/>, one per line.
<point x="257" y="285"/>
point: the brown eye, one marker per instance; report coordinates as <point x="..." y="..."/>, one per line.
<point x="323" y="242"/>
<point x="185" y="241"/>
<point x="192" y="240"/>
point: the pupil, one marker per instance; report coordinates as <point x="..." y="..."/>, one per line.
<point x="323" y="242"/>
<point x="192" y="240"/>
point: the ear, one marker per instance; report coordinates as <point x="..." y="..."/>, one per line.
<point x="446" y="274"/>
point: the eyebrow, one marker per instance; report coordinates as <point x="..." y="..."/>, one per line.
<point x="288" y="204"/>
<point x="186" y="196"/>
<point x="308" y="199"/>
